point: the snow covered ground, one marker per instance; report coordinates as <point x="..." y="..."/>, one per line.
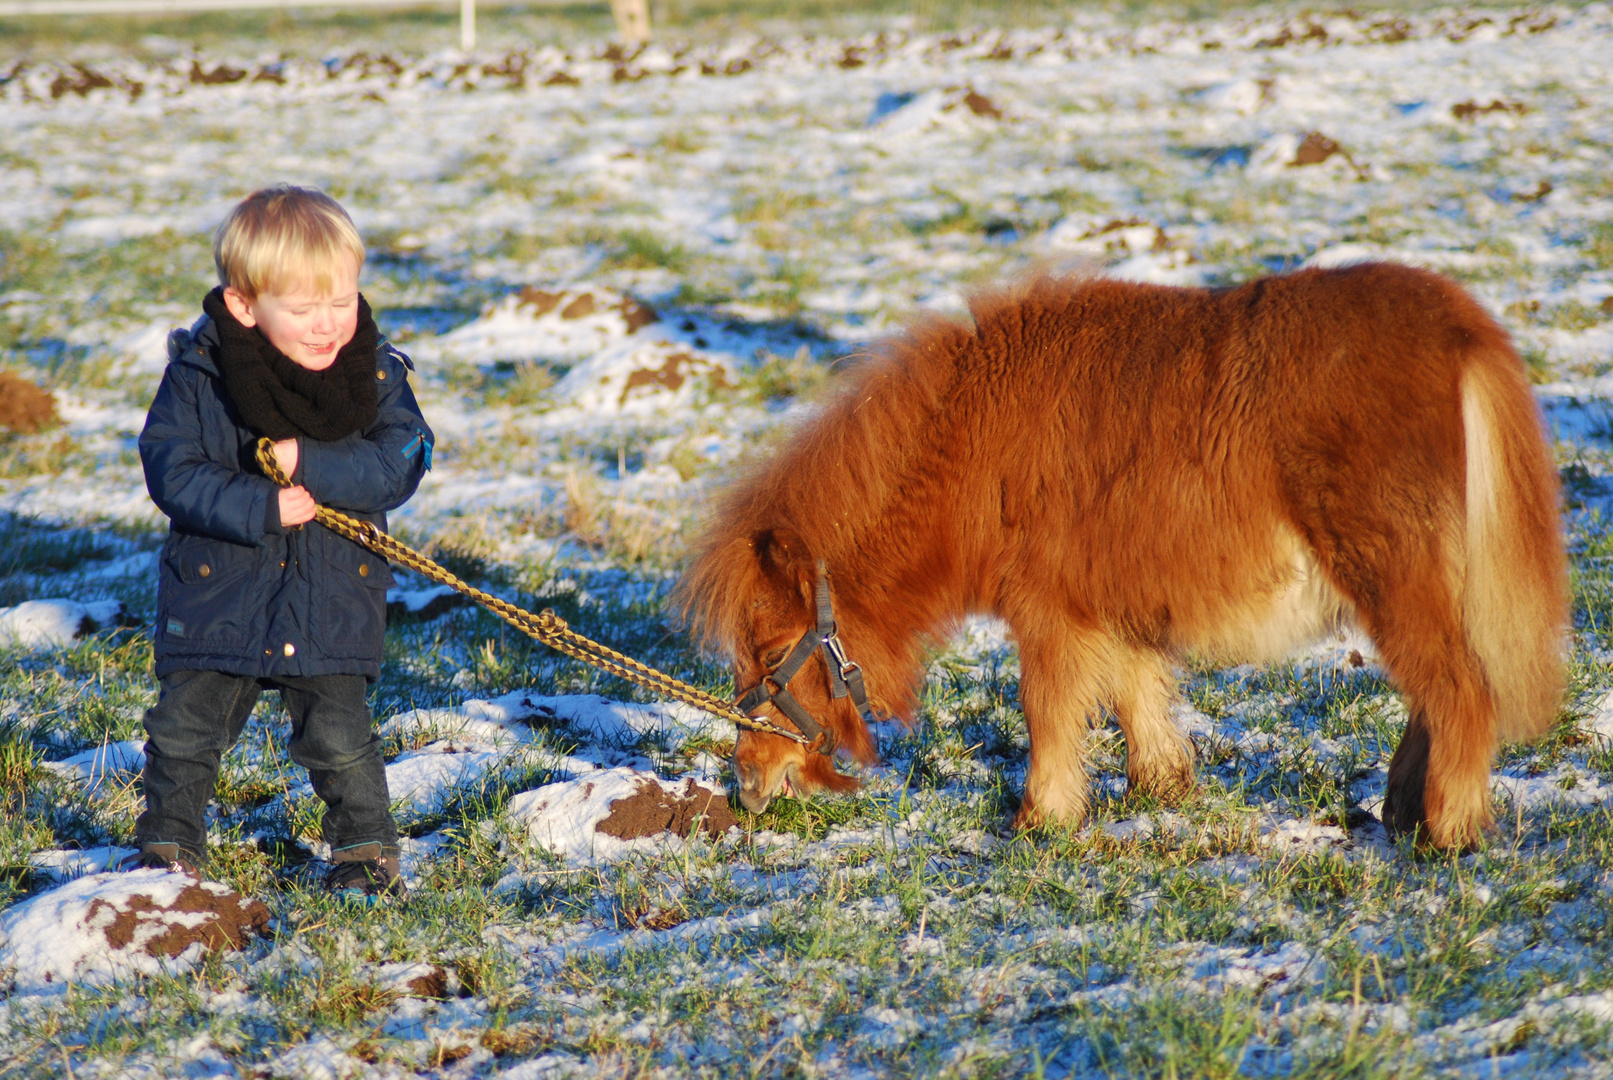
<point x="620" y="276"/>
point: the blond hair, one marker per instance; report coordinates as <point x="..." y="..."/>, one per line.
<point x="281" y="238"/>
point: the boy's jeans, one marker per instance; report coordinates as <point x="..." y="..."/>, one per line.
<point x="200" y="714"/>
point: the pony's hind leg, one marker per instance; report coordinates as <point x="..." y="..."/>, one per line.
<point x="1439" y="777"/>
<point x="1062" y="672"/>
<point x="1159" y="759"/>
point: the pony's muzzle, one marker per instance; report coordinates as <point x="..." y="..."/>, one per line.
<point x="755" y="792"/>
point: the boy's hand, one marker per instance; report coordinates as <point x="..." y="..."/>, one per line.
<point x="285" y="452"/>
<point x="296" y="505"/>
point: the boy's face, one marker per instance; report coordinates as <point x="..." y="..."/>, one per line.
<point x="308" y="325"/>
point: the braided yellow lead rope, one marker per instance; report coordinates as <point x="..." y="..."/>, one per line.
<point x="547" y="627"/>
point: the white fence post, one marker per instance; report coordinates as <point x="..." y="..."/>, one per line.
<point x="467" y="25"/>
<point x="632" y="20"/>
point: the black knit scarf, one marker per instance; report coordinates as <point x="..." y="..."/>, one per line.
<point x="280" y="398"/>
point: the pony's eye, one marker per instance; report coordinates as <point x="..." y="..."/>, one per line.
<point x="774" y="658"/>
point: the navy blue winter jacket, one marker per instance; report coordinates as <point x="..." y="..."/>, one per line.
<point x="236" y="591"/>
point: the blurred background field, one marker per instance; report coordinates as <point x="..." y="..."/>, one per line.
<point x="623" y="275"/>
<point x="501" y="26"/>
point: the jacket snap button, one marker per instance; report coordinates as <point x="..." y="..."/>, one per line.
<point x="282" y="564"/>
<point x="380" y="375"/>
<point x="291" y="650"/>
<point x="204" y="570"/>
<point x="363" y="569"/>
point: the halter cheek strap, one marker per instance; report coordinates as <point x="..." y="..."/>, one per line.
<point x="845" y="676"/>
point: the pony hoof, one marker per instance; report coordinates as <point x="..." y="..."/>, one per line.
<point x="1034" y="817"/>
<point x="1171" y="788"/>
<point x="1403" y="816"/>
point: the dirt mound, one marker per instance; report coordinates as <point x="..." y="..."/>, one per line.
<point x="1467" y="110"/>
<point x="433" y="984"/>
<point x="158" y="929"/>
<point x="1316" y="148"/>
<point x="580" y="304"/>
<point x="671" y="375"/>
<point x="108" y="926"/>
<point x="652" y="810"/>
<point x="24" y="407"/>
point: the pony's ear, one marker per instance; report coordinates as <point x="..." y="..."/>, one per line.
<point x="784" y="558"/>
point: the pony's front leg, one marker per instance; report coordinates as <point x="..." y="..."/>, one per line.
<point x="1059" y="695"/>
<point x="1159" y="759"/>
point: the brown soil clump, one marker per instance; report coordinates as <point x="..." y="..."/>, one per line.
<point x="1467" y="110"/>
<point x="673" y="373"/>
<point x="540" y="302"/>
<point x="636" y="315"/>
<point x="1541" y="190"/>
<point x="580" y="308"/>
<point x="433" y="984"/>
<point x="980" y="104"/>
<point x="24" y="407"/>
<point x="145" y="924"/>
<point x="1316" y="148"/>
<point x="651" y="811"/>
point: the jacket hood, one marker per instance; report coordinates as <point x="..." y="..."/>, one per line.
<point x="194" y="347"/>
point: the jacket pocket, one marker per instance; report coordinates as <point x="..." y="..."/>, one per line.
<point x="206" y="594"/>
<point x="353" y="612"/>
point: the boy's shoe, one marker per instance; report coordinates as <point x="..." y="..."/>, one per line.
<point x="362" y="873"/>
<point x="161" y="857"/>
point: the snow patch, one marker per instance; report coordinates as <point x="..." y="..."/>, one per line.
<point x="564" y="818"/>
<point x="644" y="377"/>
<point x="93" y="766"/>
<point x="111" y="925"/>
<point x="564" y="325"/>
<point x="38" y="624"/>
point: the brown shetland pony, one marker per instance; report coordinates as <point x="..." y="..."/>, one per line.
<point x="1129" y="473"/>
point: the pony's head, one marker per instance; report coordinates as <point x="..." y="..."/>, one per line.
<point x="753" y="598"/>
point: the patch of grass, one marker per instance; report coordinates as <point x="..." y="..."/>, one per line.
<point x="1598" y="244"/>
<point x="640" y="249"/>
<point x="1212" y="1037"/>
<point x="29" y="545"/>
<point x="520" y="384"/>
<point x="1575" y="316"/>
<point x="776" y="378"/>
<point x="45" y="454"/>
<point x="810" y="819"/>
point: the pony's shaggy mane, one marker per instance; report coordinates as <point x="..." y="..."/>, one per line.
<point x="849" y="459"/>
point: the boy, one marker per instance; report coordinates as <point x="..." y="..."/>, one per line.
<point x="253" y="594"/>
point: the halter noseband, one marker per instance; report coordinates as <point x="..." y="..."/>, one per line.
<point x="845" y="676"/>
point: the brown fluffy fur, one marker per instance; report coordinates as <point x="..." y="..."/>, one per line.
<point x="1127" y="473"/>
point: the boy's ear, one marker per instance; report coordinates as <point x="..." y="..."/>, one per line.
<point x="239" y="306"/>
